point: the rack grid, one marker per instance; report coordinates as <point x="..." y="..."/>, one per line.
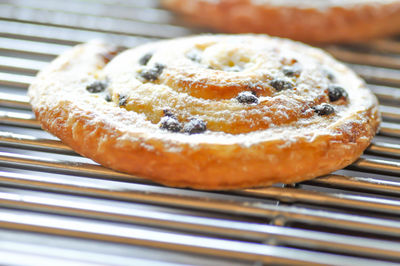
<point x="57" y="207"/>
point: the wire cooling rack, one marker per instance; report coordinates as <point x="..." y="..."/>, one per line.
<point x="57" y="207"/>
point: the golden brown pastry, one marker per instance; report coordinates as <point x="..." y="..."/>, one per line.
<point x="208" y="112"/>
<point x="315" y="21"/>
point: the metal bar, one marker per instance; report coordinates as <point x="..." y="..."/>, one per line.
<point x="384" y="149"/>
<point x="60" y="258"/>
<point x="389" y="129"/>
<point x="388" y="61"/>
<point x="341" y="200"/>
<point x="42" y="249"/>
<point x="390" y="112"/>
<point x="19" y="119"/>
<point x="101" y="10"/>
<point x="27" y="65"/>
<point x="15" y="80"/>
<point x="376" y="165"/>
<point x="89" y="22"/>
<point x="16" y="257"/>
<point x="378" y="75"/>
<point x="386" y="93"/>
<point x="14" y="101"/>
<point x="31" y="47"/>
<point x="222" y="228"/>
<point x="15" y="29"/>
<point x="372" y="185"/>
<point x="124" y="234"/>
<point x="34" y="143"/>
<point x="30" y="249"/>
<point x="172" y="198"/>
<point x="68" y="167"/>
<point x="283" y="195"/>
<point x="132" y="3"/>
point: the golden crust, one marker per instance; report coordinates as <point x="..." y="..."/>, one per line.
<point x="308" y="21"/>
<point x="127" y="141"/>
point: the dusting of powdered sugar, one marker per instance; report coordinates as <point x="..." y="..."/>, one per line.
<point x="241" y="63"/>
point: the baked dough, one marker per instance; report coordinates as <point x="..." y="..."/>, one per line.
<point x="314" y="21"/>
<point x="210" y="111"/>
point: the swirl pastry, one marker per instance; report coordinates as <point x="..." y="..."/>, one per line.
<point x="208" y="112"/>
<point x="315" y="21"/>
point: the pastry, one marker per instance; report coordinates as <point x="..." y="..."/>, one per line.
<point x="313" y="21"/>
<point x="209" y="111"/>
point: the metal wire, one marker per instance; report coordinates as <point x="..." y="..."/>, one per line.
<point x="48" y="190"/>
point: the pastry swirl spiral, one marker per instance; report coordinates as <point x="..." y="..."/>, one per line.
<point x="208" y="112"/>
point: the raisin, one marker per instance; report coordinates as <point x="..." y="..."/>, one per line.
<point x="195" y="126"/>
<point x="145" y="59"/>
<point x="280" y="84"/>
<point x="97" y="86"/>
<point x="330" y="76"/>
<point x="324" y="109"/>
<point x="336" y="92"/>
<point x="108" y="97"/>
<point x="153" y="73"/>
<point x="170" y="123"/>
<point x="291" y="71"/>
<point x="247" y="97"/>
<point x="168" y="113"/>
<point x="123" y="100"/>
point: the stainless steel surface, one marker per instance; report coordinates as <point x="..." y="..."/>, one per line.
<point x="58" y="207"/>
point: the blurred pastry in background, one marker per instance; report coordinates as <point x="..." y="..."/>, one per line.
<point x="312" y="21"/>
